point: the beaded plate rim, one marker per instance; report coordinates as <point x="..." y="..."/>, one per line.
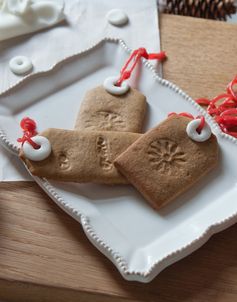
<point x="108" y="251"/>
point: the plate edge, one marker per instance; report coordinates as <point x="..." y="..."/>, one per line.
<point x="116" y="258"/>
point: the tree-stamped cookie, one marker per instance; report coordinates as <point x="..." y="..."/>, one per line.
<point x="169" y="159"/>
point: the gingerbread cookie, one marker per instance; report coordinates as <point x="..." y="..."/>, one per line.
<point x="103" y="111"/>
<point x="77" y="156"/>
<point x="168" y="159"/>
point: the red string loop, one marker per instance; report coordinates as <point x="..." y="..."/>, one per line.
<point x="232" y="111"/>
<point x="137" y="55"/>
<point x="224" y="108"/>
<point x="202" y="123"/>
<point x="230" y="89"/>
<point x="29" y="130"/>
<point x="203" y="101"/>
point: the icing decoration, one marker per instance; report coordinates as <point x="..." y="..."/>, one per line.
<point x="192" y="132"/>
<point x="223" y="108"/>
<point x="20" y="65"/>
<point x="37" y="154"/>
<point x="19" y="17"/>
<point x="35" y="147"/>
<point x="198" y="130"/>
<point x="111" y="87"/>
<point x="116" y="85"/>
<point x="117" y="17"/>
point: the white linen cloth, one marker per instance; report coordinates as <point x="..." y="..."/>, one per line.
<point x="18" y="17"/>
<point x="86" y="24"/>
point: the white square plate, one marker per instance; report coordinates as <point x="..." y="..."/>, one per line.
<point x="116" y="219"/>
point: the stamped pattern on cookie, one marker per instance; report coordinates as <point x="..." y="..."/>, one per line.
<point x="102" y="148"/>
<point x="165" y="155"/>
<point x="63" y="161"/>
<point x="105" y="120"/>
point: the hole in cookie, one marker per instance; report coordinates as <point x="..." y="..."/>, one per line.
<point x="35" y="145"/>
<point x="19" y="62"/>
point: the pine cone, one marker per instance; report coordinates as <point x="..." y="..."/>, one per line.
<point x="208" y="9"/>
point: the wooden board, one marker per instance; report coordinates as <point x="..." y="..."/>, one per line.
<point x="44" y="254"/>
<point x="202" y="54"/>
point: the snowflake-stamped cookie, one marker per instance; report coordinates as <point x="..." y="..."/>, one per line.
<point x="101" y="110"/>
<point x="170" y="158"/>
<point x="115" y="106"/>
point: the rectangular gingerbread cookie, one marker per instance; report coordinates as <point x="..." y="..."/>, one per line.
<point x="102" y="111"/>
<point x="82" y="156"/>
<point x="165" y="161"/>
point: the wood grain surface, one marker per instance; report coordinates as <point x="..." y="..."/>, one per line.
<point x="201" y="54"/>
<point x="44" y="254"/>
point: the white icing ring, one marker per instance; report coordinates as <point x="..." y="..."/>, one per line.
<point x="194" y="135"/>
<point x="109" y="85"/>
<point x="20" y="65"/>
<point x="117" y="17"/>
<point x="37" y="154"/>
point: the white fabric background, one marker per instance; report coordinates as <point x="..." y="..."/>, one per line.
<point x="86" y="25"/>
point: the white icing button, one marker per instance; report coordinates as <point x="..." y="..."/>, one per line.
<point x="194" y="135"/>
<point x="37" y="154"/>
<point x="117" y="17"/>
<point x="109" y="85"/>
<point x="20" y="65"/>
